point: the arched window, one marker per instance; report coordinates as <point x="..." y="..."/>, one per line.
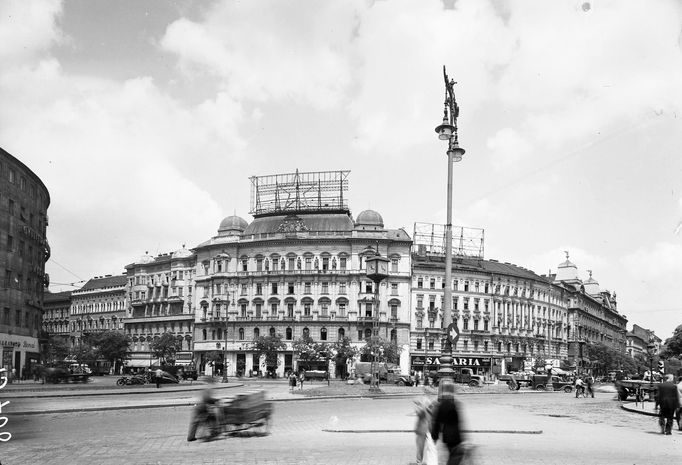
<point x="394" y="336"/>
<point x="289" y="334"/>
<point x="368" y="333"/>
<point x="241" y="334"/>
<point x="323" y="334"/>
<point x="306" y="333"/>
<point x="342" y="333"/>
<point x="256" y="333"/>
<point x="272" y="331"/>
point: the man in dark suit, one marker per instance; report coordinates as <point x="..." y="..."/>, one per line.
<point x="668" y="402"/>
<point x="446" y="422"/>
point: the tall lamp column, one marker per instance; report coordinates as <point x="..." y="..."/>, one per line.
<point x="447" y="131"/>
<point x="651" y="350"/>
<point x="377" y="271"/>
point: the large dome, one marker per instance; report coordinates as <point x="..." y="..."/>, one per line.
<point x="369" y="218"/>
<point x="232" y="225"/>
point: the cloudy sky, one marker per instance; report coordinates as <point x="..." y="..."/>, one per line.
<point x="146" y="118"/>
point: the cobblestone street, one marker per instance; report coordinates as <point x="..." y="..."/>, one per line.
<point x="512" y="428"/>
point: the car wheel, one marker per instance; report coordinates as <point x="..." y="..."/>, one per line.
<point x="568" y="388"/>
<point x="401" y="383"/>
<point x="539" y="387"/>
<point x="473" y="383"/>
<point x="120" y="382"/>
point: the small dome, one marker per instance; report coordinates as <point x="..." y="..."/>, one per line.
<point x="369" y="218"/>
<point x="232" y="225"/>
<point x="146" y="258"/>
<point x="182" y="253"/>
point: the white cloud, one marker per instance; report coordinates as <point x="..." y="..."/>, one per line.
<point x="27" y="29"/>
<point x="508" y="147"/>
<point x="297" y="52"/>
<point x="662" y="261"/>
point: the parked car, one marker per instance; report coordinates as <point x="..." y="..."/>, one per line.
<point x="539" y="383"/>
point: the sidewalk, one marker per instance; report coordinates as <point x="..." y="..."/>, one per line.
<point x="643" y="408"/>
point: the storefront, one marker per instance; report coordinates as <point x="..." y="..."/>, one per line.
<point x="19" y="353"/>
<point x="424" y="363"/>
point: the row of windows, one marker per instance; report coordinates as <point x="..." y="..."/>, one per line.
<point x="308" y="262"/>
<point x="160" y="278"/>
<point x="290" y="288"/>
<point x="32" y="255"/>
<point x="98" y="307"/>
<point x="16" y="281"/>
<point x="485" y="288"/>
<point x="20" y="212"/>
<point x="22" y="319"/>
<point x="289" y="334"/>
<point x="11" y="175"/>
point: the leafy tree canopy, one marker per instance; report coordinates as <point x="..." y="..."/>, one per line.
<point x="306" y="349"/>
<point x="270" y="347"/>
<point x="344" y="350"/>
<point x="165" y="348"/>
<point x="56" y="350"/>
<point x="387" y="351"/>
<point x="673" y="345"/>
<point x="110" y="345"/>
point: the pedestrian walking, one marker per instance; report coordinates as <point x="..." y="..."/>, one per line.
<point x="589" y="381"/>
<point x="292" y="381"/>
<point x="445" y="424"/>
<point x="678" y="413"/>
<point x="157" y="377"/>
<point x="301" y="378"/>
<point x="422" y="425"/>
<point x="668" y="402"/>
<point x="205" y="411"/>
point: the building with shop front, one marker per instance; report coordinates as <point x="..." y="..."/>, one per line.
<point x="297" y="269"/>
<point x="56" y="320"/>
<point x="24" y="200"/>
<point x="160" y="293"/>
<point x="100" y="305"/>
<point x="508" y="317"/>
<point x="593" y="316"/>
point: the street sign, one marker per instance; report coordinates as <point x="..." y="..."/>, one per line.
<point x="453" y="333"/>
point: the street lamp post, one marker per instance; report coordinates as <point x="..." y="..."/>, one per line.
<point x="227" y="317"/>
<point x="651" y="350"/>
<point x="377" y="271"/>
<point x="448" y="131"/>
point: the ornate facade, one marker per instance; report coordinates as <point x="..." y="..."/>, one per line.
<point x="507" y="316"/>
<point x="100" y="305"/>
<point x="56" y="320"/>
<point x="297" y="273"/>
<point x="160" y="300"/>
<point x="24" y="200"/>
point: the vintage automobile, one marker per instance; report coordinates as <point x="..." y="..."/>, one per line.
<point x="539" y="383"/>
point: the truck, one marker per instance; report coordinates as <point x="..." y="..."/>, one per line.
<point x="388" y="373"/>
<point x="539" y="383"/>
<point x="462" y="375"/>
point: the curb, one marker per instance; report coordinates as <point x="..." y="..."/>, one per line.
<point x="628" y="407"/>
<point x="107" y="391"/>
<point x="496" y="431"/>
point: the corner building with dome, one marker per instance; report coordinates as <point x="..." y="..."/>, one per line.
<point x="297" y="269"/>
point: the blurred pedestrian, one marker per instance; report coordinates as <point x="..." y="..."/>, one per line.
<point x="157" y="377"/>
<point x="589" y="381"/>
<point x="292" y="381"/>
<point x="678" y="413"/>
<point x="445" y="423"/>
<point x="207" y="410"/>
<point x="422" y="425"/>
<point x="301" y="378"/>
<point x="668" y="402"/>
<point x="416" y="379"/>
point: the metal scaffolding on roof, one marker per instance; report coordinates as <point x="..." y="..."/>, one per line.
<point x="299" y="192"/>
<point x="429" y="238"/>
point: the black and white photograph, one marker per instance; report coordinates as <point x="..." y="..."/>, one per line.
<point x="343" y="232"/>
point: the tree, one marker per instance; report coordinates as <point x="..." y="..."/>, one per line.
<point x="270" y="346"/>
<point x="306" y="350"/>
<point x="56" y="350"/>
<point x="166" y="347"/>
<point x="112" y="346"/>
<point x="344" y="350"/>
<point x="673" y="345"/>
<point x="387" y="351"/>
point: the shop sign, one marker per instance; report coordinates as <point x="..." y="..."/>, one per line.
<point x="472" y="361"/>
<point x="430" y="360"/>
<point x="19" y="342"/>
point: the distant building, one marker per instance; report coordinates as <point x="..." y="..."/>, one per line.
<point x="593" y="316"/>
<point x="160" y="301"/>
<point x="100" y="305"/>
<point x="639" y="338"/>
<point x="24" y="249"/>
<point x="56" y="320"/>
<point x="508" y="317"/>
